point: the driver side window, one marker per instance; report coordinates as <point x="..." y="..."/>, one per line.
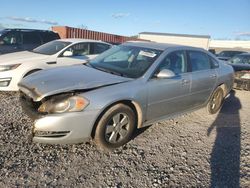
<point x="174" y="61"/>
<point x="80" y="49"/>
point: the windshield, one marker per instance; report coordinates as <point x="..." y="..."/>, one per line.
<point x="240" y="59"/>
<point x="51" y="48"/>
<point x="127" y="61"/>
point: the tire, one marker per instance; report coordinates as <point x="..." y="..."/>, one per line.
<point x="216" y="100"/>
<point x="115" y="127"/>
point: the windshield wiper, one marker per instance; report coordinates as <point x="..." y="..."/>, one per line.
<point x="87" y="63"/>
<point x="106" y="70"/>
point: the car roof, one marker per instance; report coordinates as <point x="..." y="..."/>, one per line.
<point x="156" y="45"/>
<point x="244" y="54"/>
<point x="76" y="40"/>
<point x="233" y="51"/>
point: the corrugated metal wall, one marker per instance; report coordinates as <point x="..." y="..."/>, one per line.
<point x="70" y="32"/>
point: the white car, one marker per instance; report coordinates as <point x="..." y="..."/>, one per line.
<point x="15" y="66"/>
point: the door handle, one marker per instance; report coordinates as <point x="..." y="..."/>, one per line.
<point x="51" y="62"/>
<point x="213" y="76"/>
<point x="185" y="82"/>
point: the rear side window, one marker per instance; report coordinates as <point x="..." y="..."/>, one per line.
<point x="99" y="48"/>
<point x="31" y="38"/>
<point x="48" y="36"/>
<point x="199" y="61"/>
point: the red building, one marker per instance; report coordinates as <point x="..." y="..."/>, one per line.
<point x="70" y="32"/>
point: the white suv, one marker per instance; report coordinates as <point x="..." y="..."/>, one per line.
<point x="15" y="66"/>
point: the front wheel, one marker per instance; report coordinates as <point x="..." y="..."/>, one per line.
<point x="115" y="127"/>
<point x="215" y="101"/>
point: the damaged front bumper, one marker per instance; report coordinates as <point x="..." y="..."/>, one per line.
<point x="65" y="128"/>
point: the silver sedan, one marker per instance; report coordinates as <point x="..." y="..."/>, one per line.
<point x="127" y="87"/>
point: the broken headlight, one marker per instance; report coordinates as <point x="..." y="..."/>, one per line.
<point x="64" y="104"/>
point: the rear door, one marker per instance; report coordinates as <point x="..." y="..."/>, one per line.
<point x="204" y="77"/>
<point x="169" y="96"/>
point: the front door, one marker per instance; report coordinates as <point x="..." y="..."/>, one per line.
<point x="171" y="95"/>
<point x="79" y="55"/>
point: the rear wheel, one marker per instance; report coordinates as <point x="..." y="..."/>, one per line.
<point x="215" y="101"/>
<point x="115" y="127"/>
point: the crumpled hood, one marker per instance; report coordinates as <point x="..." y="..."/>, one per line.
<point x="65" y="79"/>
<point x="21" y="57"/>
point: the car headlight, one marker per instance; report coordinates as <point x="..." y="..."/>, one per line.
<point x="8" y="67"/>
<point x="63" y="104"/>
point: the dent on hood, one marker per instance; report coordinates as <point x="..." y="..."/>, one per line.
<point x="66" y="79"/>
<point x="36" y="96"/>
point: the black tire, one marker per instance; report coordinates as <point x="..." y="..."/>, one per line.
<point x="112" y="131"/>
<point x="215" y="101"/>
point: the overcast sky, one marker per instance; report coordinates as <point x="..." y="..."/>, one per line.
<point x="221" y="19"/>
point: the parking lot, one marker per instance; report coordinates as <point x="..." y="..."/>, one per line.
<point x="193" y="150"/>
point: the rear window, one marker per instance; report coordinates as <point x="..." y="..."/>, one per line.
<point x="99" y="48"/>
<point x="229" y="53"/>
<point x="199" y="61"/>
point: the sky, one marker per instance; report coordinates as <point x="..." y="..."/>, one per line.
<point x="221" y="19"/>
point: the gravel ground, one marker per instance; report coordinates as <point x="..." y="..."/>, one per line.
<point x="193" y="150"/>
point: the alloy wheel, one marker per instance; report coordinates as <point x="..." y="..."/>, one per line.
<point x="117" y="128"/>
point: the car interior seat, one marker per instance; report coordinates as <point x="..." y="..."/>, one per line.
<point x="176" y="64"/>
<point x="194" y="64"/>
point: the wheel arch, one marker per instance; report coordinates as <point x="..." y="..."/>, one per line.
<point x="132" y="104"/>
<point x="31" y="71"/>
<point x="224" y="88"/>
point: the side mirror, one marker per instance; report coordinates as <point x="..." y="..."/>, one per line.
<point x="1" y="42"/>
<point x="165" y="73"/>
<point x="67" y="54"/>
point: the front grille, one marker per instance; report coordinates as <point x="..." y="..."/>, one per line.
<point x="51" y="134"/>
